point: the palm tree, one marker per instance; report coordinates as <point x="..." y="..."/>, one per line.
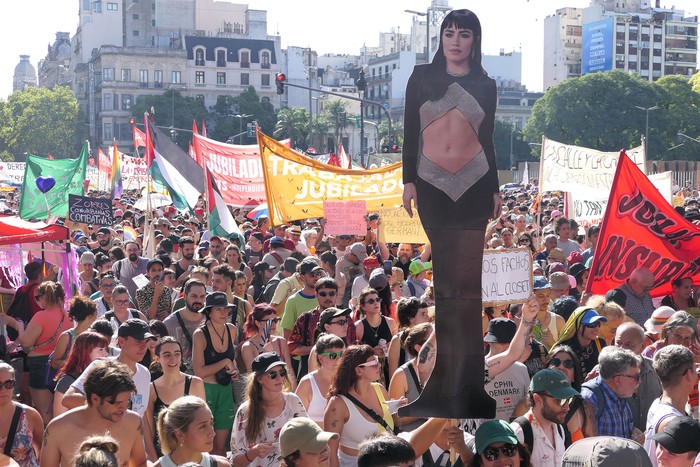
<point x="317" y="136"/>
<point x="292" y="122"/>
<point x="332" y="110"/>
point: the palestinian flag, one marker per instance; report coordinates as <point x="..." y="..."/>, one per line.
<point x="221" y="221"/>
<point x="173" y="168"/>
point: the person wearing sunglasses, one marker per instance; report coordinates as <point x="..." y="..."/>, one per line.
<point x="260" y="329"/>
<point x="314" y="387"/>
<point x="332" y="321"/>
<point x="26" y="439"/>
<point x="581" y="334"/>
<point x="618" y="379"/>
<point x="497" y="445"/>
<point x="550" y="396"/>
<point x="375" y="329"/>
<point x="269" y="405"/>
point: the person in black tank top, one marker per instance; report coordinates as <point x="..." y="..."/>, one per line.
<point x="375" y="329"/>
<point x="170" y="386"/>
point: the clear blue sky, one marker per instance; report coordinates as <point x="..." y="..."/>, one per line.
<point x="27" y="27"/>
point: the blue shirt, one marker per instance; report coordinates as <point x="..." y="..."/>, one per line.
<point x="616" y="418"/>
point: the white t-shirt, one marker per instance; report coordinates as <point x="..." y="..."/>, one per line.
<point x="543" y="453"/>
<point x="435" y="450"/>
<point x="658" y="412"/>
<point x="358" y="285"/>
<point x="142" y="380"/>
<point x="508" y="389"/>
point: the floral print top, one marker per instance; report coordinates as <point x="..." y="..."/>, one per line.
<point x="22" y="447"/>
<point x="293" y="407"/>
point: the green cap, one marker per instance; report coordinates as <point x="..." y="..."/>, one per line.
<point x="303" y="434"/>
<point x="553" y="383"/>
<point x="493" y="431"/>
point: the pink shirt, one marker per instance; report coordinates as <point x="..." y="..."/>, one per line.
<point x="48" y="320"/>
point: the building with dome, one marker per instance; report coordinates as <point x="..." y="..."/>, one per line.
<point x="54" y="69"/>
<point x="25" y="74"/>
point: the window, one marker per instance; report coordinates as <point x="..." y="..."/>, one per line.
<point x="112" y="6"/>
<point x="199" y="77"/>
<point x="107" y="131"/>
<point x="135" y="16"/>
<point x="97" y="6"/>
<point x="158" y="78"/>
<point x="265" y="60"/>
<point x="199" y="57"/>
<point x="220" y="58"/>
<point x="199" y="97"/>
<point x="245" y="79"/>
<point x="176" y="77"/>
<point x="143" y="78"/>
<point x="265" y="80"/>
<point x="126" y="75"/>
<point x="108" y="103"/>
<point x="245" y="59"/>
<point x="221" y="78"/>
<point x="86" y="5"/>
<point x="127" y="100"/>
<point x="135" y="32"/>
<point x="107" y="74"/>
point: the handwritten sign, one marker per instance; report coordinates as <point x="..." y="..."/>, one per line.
<point x="399" y="228"/>
<point x="345" y="217"/>
<point x="506" y="276"/>
<point x="86" y="210"/>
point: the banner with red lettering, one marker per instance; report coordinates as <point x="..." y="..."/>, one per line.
<point x="236" y="168"/>
<point x="641" y="229"/>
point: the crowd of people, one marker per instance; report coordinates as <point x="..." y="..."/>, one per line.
<point x="211" y="351"/>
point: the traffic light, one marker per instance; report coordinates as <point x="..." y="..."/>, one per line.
<point x="385" y="149"/>
<point x="395" y="148"/>
<point x="344" y="119"/>
<point x="132" y="121"/>
<point x="280" y="79"/>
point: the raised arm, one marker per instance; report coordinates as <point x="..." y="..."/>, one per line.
<point x="500" y="362"/>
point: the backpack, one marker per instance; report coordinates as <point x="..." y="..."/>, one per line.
<point x="599" y="396"/>
<point x="528" y="436"/>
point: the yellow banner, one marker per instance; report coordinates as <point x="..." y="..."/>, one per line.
<point x="296" y="186"/>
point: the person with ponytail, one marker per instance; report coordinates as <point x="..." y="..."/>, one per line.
<point x="98" y="451"/>
<point x="171" y="385"/>
<point x="87" y="347"/>
<point x="39" y="340"/>
<point x="186" y="430"/>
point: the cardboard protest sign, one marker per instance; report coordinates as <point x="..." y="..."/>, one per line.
<point x="399" y="228"/>
<point x="345" y="217"/>
<point x="86" y="210"/>
<point x="506" y="276"/>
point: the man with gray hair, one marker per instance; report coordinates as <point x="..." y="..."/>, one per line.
<point x="631" y="336"/>
<point x="676" y="369"/>
<point x="550" y="242"/>
<point x="619" y="377"/>
<point x="638" y="304"/>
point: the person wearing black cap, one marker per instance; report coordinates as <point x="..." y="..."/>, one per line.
<point x="104" y="239"/>
<point x="155" y="298"/>
<point x="262" y="273"/>
<point x="133" y="337"/>
<point x="678" y="444"/>
<point x="268" y="406"/>
<point x="213" y="359"/>
<point x="310" y="271"/>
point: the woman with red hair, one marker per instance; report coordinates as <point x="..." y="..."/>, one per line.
<point x="87" y="347"/>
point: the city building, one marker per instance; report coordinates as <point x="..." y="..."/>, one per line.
<point x="562" y="46"/>
<point x="24" y="76"/>
<point x="300" y="65"/>
<point x="505" y="68"/>
<point x="54" y="69"/>
<point x="515" y="106"/>
<point x="387" y="78"/>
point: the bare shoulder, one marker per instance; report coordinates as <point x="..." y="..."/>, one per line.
<point x="220" y="461"/>
<point x="33" y="415"/>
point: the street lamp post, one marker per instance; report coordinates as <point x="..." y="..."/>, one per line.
<point x="361" y="87"/>
<point x="680" y="134"/>
<point x="646" y="131"/>
<point x="240" y="126"/>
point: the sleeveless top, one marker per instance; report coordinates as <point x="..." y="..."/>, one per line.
<point x="206" y="461"/>
<point x="317" y="405"/>
<point x="159" y="405"/>
<point x="358" y="428"/>
<point x="371" y="337"/>
<point x="22" y="447"/>
<point x="211" y="356"/>
<point x="412" y="393"/>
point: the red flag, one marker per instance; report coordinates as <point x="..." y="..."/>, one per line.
<point x="194" y="127"/>
<point x="150" y="151"/>
<point x="333" y="159"/>
<point x="104" y="164"/>
<point x="50" y="157"/>
<point x="204" y="128"/>
<point x="139" y="137"/>
<point x="640" y="229"/>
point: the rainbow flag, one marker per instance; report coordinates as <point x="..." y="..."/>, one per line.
<point x="116" y="173"/>
<point x="130" y="233"/>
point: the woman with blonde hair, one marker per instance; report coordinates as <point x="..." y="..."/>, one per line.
<point x="269" y="405"/>
<point x="611" y="310"/>
<point x="186" y="431"/>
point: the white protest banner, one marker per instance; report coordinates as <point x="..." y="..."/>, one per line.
<point x="577" y="169"/>
<point x="399" y="228"/>
<point x="506" y="276"/>
<point x="345" y="217"/>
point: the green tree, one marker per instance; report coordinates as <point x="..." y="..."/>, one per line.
<point x="502" y="141"/>
<point x="332" y="110"/>
<point x="41" y="121"/>
<point x="292" y="122"/>
<point x="222" y="124"/>
<point x="695" y="81"/>
<point x="679" y="111"/>
<point x="317" y="137"/>
<point x="396" y="129"/>
<point x="186" y="109"/>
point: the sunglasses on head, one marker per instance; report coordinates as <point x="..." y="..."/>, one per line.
<point x="565" y="363"/>
<point x="327" y="294"/>
<point x="9" y="384"/>
<point x="274" y="374"/>
<point x="373" y="362"/>
<point x="372" y="301"/>
<point x="492" y="453"/>
<point x="340" y="322"/>
<point x="332" y="355"/>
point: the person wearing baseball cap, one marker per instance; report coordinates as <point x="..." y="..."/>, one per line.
<point x="606" y="451"/>
<point x="581" y="334"/>
<point x="278" y="252"/>
<point x="104" y="240"/>
<point x="494" y="440"/>
<point x="361" y="282"/>
<point x="678" y="444"/>
<point x="304" y="444"/>
<point x="550" y="396"/>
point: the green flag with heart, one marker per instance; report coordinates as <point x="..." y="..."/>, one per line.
<point x="69" y="176"/>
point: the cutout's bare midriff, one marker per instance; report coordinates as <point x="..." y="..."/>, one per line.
<point x="450" y="141"/>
